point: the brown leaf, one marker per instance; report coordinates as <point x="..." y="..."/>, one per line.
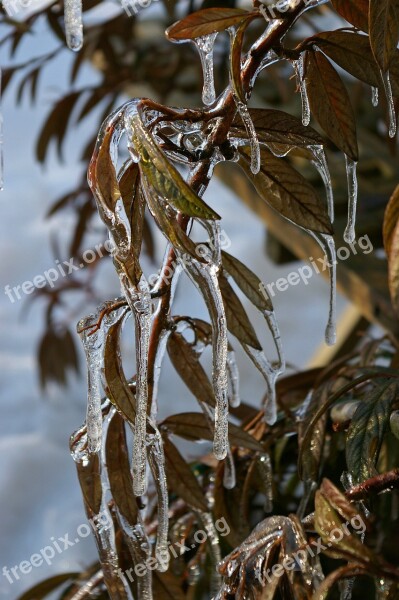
<point x="384" y="30"/>
<point x="195" y="426"/>
<point x="330" y="103"/>
<point x="185" y="361"/>
<point x="90" y="481"/>
<point x="247" y="281"/>
<point x="354" y="11"/>
<point x="204" y="22"/>
<point x="235" y="59"/>
<point x="44" y="588"/>
<point x="346" y="572"/>
<point x="118" y="468"/>
<point x="391" y="219"/>
<point x="352" y="52"/>
<point x="238" y="322"/>
<point x="288" y="192"/>
<point x="180" y="477"/>
<point x="276" y="126"/>
<point x="167" y="586"/>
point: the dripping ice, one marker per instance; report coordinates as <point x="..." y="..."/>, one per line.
<point x="205" y="46"/>
<point x="73" y="24"/>
<point x="299" y="66"/>
<point x="351" y="167"/>
<point x="251" y="132"/>
<point x="391" y="105"/>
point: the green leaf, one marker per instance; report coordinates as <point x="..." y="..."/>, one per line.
<point x="354" y="11"/>
<point x="195" y="426"/>
<point x="180" y="477"/>
<point x="204" y="22"/>
<point x="330" y="103"/>
<point x="238" y="322"/>
<point x="288" y="192"/>
<point x="185" y="361"/>
<point x="164" y="179"/>
<point x="118" y="469"/>
<point x="247" y="281"/>
<point x="384" y="30"/>
<point x="367" y="431"/>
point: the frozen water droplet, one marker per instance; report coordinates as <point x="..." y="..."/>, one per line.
<point x="251" y="132"/>
<point x="351" y="172"/>
<point x="391" y="105"/>
<point x="299" y="66"/>
<point x="73" y="24"/>
<point x="229" y="474"/>
<point x="205" y="46"/>
<point x="375" y="93"/>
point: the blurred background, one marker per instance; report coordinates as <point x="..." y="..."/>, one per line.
<point x="53" y="104"/>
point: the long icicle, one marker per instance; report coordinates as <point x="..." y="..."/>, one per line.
<point x="205" y="46"/>
<point x="320" y="162"/>
<point x="234" y="378"/>
<point x="156" y="459"/>
<point x="326" y="242"/>
<point x="73" y="24"/>
<point x="351" y="166"/>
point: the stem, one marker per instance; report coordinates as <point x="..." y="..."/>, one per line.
<point x="225" y="110"/>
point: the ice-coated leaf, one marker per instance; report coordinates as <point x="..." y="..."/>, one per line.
<point x="391" y="220"/>
<point x="355" y="12"/>
<point x="44" y="588"/>
<point x="367" y="430"/>
<point x="116" y="385"/>
<point x="311" y="452"/>
<point x="89" y="475"/>
<point x="326" y="520"/>
<point x="237" y="39"/>
<point x="195" y="426"/>
<point x="204" y="22"/>
<point x="346" y="572"/>
<point x="164" y="178"/>
<point x="330" y="103"/>
<point x="118" y="468"/>
<point x="338" y="501"/>
<point x="384" y="30"/>
<point x="238" y="322"/>
<point x="288" y="192"/>
<point x="276" y="126"/>
<point x="352" y="52"/>
<point x="180" y="477"/>
<point x="186" y="362"/>
<point x="247" y="281"/>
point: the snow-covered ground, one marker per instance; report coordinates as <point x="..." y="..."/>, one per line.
<point x="39" y="494"/>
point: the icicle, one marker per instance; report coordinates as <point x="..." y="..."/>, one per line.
<point x="234" y="378"/>
<point x="156" y="458"/>
<point x="299" y="66"/>
<point x="73" y="24"/>
<point x="252" y="136"/>
<point x="1" y="139"/>
<point x="391" y="105"/>
<point x="326" y="242"/>
<point x="141" y="306"/>
<point x="264" y="465"/>
<point x="270" y="375"/>
<point x="229" y="474"/>
<point x="375" y="93"/>
<point x="93" y="344"/>
<point x="215" y="553"/>
<point x="205" y="278"/>
<point x="320" y="162"/>
<point x="205" y="48"/>
<point x="275" y="331"/>
<point x="351" y="166"/>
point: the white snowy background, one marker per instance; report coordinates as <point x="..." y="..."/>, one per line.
<point x="39" y="493"/>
